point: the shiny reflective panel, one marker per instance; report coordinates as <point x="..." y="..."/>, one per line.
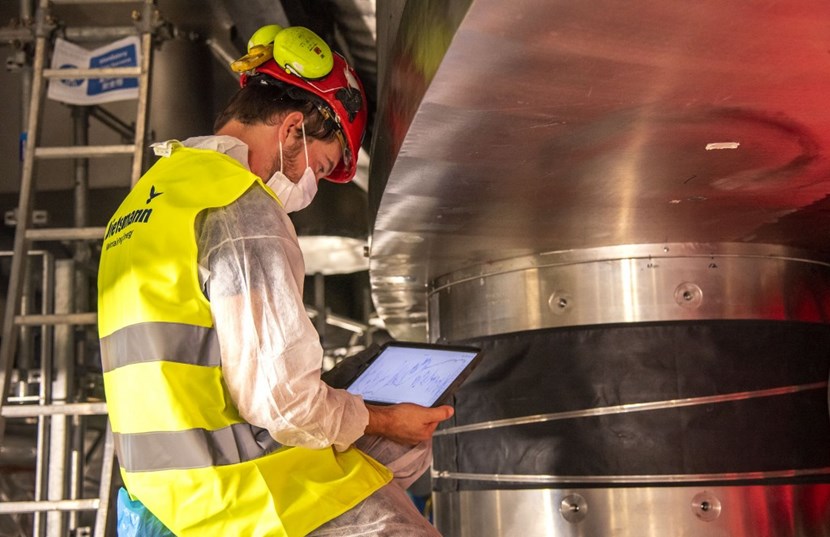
<point x="332" y="254"/>
<point x="626" y="284"/>
<point x="714" y="511"/>
<point x="541" y="126"/>
<point x="543" y="171"/>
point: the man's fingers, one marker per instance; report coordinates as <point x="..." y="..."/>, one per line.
<point x="406" y="423"/>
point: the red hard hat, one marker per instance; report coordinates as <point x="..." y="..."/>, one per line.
<point x="341" y="98"/>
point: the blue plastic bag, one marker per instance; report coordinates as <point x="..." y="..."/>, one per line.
<point x="135" y="520"/>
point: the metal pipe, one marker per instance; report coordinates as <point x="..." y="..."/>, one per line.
<point x="89" y="151"/>
<point x="8" y="508"/>
<point x="82" y="252"/>
<point x="99" y="33"/>
<point x="80" y="137"/>
<point x="26" y="10"/>
<point x="55" y="318"/>
<point x="127" y="132"/>
<point x="106" y="483"/>
<point x="62" y="362"/>
<point x="40" y="472"/>
<point x="222" y="56"/>
<point x="76" y="466"/>
<point x="339" y="321"/>
<point x="74" y="409"/>
<point x="143" y="90"/>
<point x="25" y="345"/>
<point x="65" y="234"/>
<point x="9" y="253"/>
<point x="26" y="17"/>
<point x="77" y="301"/>
<point x="44" y="423"/>
<point x="13" y="36"/>
<point x="98" y="72"/>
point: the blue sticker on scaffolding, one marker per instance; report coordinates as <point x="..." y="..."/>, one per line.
<point x="24" y="137"/>
<point x="125" y="56"/>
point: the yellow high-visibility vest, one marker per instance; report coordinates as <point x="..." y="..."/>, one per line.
<point x="184" y="451"/>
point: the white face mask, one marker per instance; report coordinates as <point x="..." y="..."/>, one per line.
<point x="294" y="196"/>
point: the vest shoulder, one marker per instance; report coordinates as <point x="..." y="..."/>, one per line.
<point x="198" y="173"/>
<point x="207" y="157"/>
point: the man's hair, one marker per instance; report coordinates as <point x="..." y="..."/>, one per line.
<point x="257" y="103"/>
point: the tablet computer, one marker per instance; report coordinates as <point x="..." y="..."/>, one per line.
<point x="421" y="373"/>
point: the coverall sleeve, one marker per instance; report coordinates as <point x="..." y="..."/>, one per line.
<point x="252" y="272"/>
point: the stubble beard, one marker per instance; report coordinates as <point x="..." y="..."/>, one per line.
<point x="289" y="157"/>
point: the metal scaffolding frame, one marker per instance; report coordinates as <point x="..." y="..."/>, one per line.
<point x="58" y="497"/>
<point x="64" y="303"/>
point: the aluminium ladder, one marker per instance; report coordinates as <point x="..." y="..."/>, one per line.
<point x="145" y="16"/>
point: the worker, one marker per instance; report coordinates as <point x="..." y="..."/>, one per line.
<point x="221" y="422"/>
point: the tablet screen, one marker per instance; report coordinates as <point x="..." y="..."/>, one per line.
<point x="418" y="375"/>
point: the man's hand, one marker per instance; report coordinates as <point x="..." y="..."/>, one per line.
<point x="406" y="423"/>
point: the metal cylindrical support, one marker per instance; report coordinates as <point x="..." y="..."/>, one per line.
<point x="80" y="137"/>
<point x="638" y="390"/>
<point x="63" y="363"/>
<point x="142" y="115"/>
<point x="181" y="89"/>
<point x="44" y="423"/>
<point x="82" y="250"/>
<point x="631" y="284"/>
<point x="688" y="511"/>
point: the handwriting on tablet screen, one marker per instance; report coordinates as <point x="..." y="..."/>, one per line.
<point x="413" y="375"/>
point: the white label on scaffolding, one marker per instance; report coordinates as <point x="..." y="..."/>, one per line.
<point x="123" y="53"/>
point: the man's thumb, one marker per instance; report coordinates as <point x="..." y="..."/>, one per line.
<point x="444" y="412"/>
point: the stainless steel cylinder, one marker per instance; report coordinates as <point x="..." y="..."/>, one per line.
<point x="646" y="512"/>
<point x="631" y="284"/>
<point x="182" y="91"/>
<point x="672" y="389"/>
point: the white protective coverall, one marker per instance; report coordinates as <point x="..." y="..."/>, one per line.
<point x="252" y="270"/>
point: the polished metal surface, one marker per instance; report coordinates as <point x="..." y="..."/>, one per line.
<point x="541" y="126"/>
<point x="717" y="511"/>
<point x="635" y="283"/>
<point x="555" y="164"/>
<point x="627" y="479"/>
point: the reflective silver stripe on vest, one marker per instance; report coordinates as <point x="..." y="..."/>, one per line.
<point x="193" y="448"/>
<point x="151" y="342"/>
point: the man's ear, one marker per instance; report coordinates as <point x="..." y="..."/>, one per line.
<point x="291" y="123"/>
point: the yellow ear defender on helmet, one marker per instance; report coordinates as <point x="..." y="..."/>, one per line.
<point x="296" y="49"/>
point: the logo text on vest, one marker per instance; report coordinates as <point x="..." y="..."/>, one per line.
<point x="139" y="215"/>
